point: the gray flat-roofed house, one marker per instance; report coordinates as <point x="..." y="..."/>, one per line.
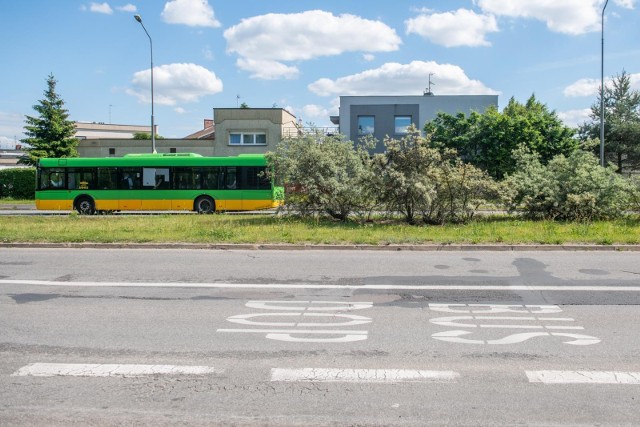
<point x="380" y="116"/>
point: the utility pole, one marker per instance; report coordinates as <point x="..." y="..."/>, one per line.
<point x="602" y="91"/>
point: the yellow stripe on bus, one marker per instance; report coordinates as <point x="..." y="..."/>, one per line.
<point x="159" y="205"/>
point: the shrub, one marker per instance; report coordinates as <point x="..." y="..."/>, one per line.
<point x="418" y="181"/>
<point x="568" y="188"/>
<point x="323" y="174"/>
<point x="460" y="190"/>
<point x="18" y="183"/>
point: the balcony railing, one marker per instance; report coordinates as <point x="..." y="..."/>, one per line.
<point x="313" y="131"/>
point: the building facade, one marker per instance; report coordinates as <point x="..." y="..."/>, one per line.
<point x="93" y="130"/>
<point x="251" y="130"/>
<point x="233" y="131"/>
<point x="381" y="116"/>
<point x="120" y="147"/>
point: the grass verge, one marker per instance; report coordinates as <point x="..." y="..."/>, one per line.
<point x="288" y="230"/>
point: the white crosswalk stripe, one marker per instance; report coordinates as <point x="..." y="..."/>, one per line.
<point x="361" y="375"/>
<point x="583" y="377"/>
<point x="109" y="370"/>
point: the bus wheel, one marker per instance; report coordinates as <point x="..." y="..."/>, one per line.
<point x="204" y="205"/>
<point x="85" y="206"/>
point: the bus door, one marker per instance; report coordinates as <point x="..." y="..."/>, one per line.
<point x="256" y="188"/>
<point x="231" y="186"/>
<point x="157" y="182"/>
<point x="129" y="181"/>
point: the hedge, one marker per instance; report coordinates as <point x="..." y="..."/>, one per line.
<point x="18" y="183"/>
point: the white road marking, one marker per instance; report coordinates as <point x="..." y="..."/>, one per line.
<point x="320" y="286"/>
<point x="494" y="308"/>
<point x="584" y="377"/>
<point x="109" y="370"/>
<point x="309" y="305"/>
<point x="244" y="319"/>
<point x="453" y="321"/>
<point x="362" y="375"/>
<point x="295" y="331"/>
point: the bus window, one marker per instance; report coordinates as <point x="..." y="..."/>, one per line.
<point x="81" y="179"/>
<point x="255" y="178"/>
<point x="129" y="178"/>
<point x="230" y="178"/>
<point x="52" y="179"/>
<point x="108" y="179"/>
<point x="156" y="178"/>
<point x="183" y="179"/>
<point x="210" y="178"/>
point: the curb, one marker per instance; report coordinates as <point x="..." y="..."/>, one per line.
<point x="294" y="247"/>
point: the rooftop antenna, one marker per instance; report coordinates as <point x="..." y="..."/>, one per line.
<point x="428" y="91"/>
<point x="237" y="101"/>
<point x="110" y="105"/>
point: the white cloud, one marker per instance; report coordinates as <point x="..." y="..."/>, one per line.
<point x="267" y="70"/>
<point x="627" y="4"/>
<point x="127" y="8"/>
<point x="591" y="87"/>
<point x="194" y="13"/>
<point x="314" y="111"/>
<point x="179" y="110"/>
<point x="273" y="38"/>
<point x="175" y="83"/>
<point x="100" y="8"/>
<point x="573" y="118"/>
<point x="368" y="57"/>
<point x="583" y="87"/>
<point x="403" y="79"/>
<point x="566" y="16"/>
<point x="207" y="53"/>
<point x="460" y="28"/>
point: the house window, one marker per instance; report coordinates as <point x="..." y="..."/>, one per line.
<point x="248" y="138"/>
<point x="402" y="124"/>
<point x="112" y="152"/>
<point x="173" y="150"/>
<point x="366" y="125"/>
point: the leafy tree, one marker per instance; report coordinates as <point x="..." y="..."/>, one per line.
<point x="145" y="136"/>
<point x="622" y="124"/>
<point x="51" y="134"/>
<point x="323" y="174"/>
<point x="488" y="140"/>
<point x="244" y="106"/>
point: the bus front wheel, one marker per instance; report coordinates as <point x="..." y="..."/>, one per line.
<point x="204" y="205"/>
<point x="85" y="206"/>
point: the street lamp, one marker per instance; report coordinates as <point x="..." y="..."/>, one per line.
<point x="602" y="90"/>
<point x="153" y="128"/>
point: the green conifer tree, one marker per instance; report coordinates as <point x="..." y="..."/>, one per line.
<point x="50" y="134"/>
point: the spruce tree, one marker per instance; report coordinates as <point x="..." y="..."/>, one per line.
<point x="51" y="134"/>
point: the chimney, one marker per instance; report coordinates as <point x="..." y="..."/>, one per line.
<point x="208" y="123"/>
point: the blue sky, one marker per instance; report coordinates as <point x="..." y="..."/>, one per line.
<point x="302" y="55"/>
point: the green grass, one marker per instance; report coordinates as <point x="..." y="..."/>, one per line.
<point x="289" y="230"/>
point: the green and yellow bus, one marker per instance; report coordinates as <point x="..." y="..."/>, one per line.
<point x="183" y="181"/>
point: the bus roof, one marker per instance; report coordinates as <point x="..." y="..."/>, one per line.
<point x="155" y="160"/>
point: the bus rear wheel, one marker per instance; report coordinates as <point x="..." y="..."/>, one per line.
<point x="85" y="206"/>
<point x="204" y="205"/>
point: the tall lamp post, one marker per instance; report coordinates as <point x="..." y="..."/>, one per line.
<point x="153" y="128"/>
<point x="602" y="90"/>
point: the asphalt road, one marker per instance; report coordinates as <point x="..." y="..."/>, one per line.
<point x="209" y="337"/>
